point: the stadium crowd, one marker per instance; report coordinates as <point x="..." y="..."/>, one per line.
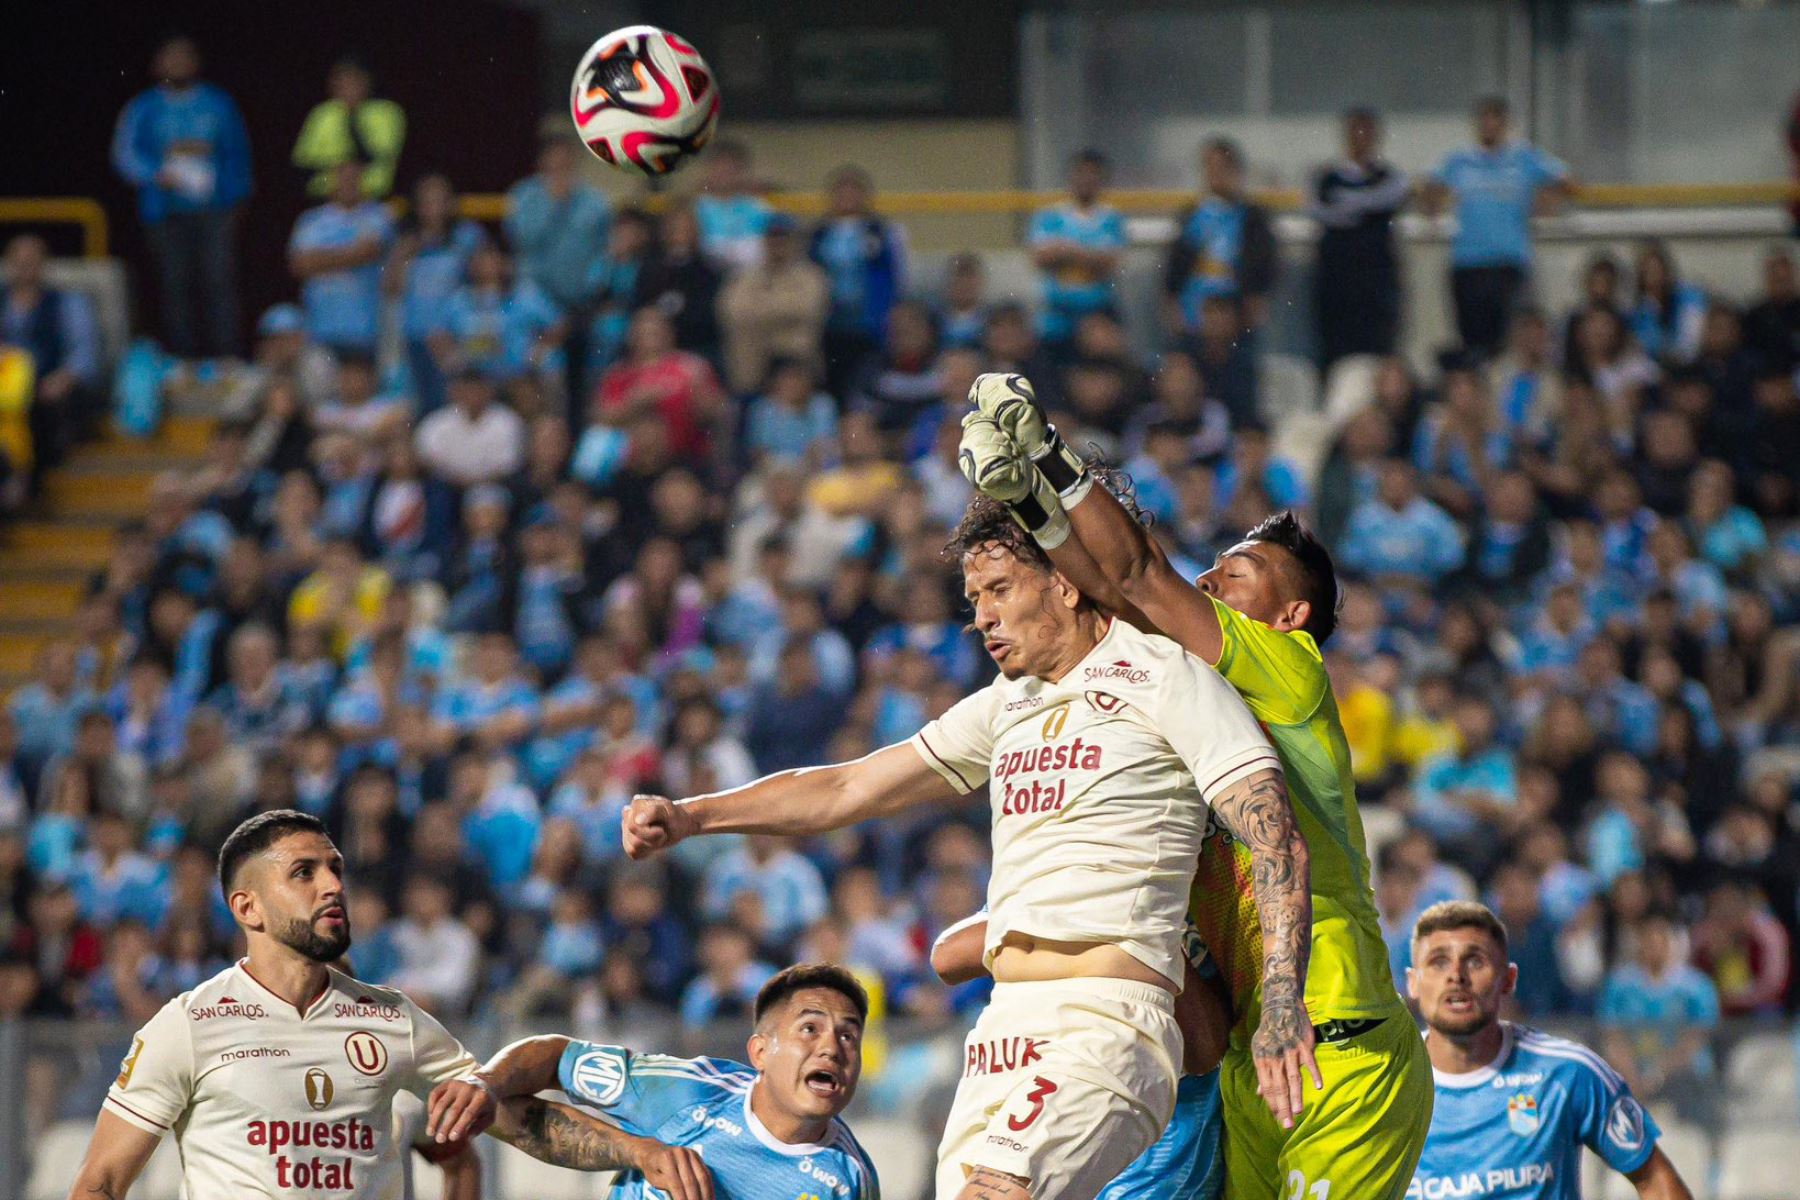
<point x="504" y="525"/>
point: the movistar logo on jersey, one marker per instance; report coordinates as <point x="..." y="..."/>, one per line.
<point x="712" y="1121"/>
<point x="1519" y="1080"/>
<point x="600" y="1075"/>
<point x="1522" y="1114"/>
<point x="1481" y="1183"/>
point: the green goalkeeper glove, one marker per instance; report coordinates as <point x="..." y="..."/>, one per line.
<point x="1010" y="402"/>
<point x="993" y="464"/>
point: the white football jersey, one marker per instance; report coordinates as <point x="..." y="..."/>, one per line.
<point x="1097" y="785"/>
<point x="266" y="1099"/>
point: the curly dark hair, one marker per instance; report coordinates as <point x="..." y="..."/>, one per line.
<point x="986" y="522"/>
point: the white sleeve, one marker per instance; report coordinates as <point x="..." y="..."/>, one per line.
<point x="156" y="1079"/>
<point x="959" y="745"/>
<point x="436" y="1055"/>
<point x="1208" y="724"/>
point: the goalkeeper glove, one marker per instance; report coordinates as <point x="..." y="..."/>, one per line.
<point x="1010" y="402"/>
<point x="993" y="464"/>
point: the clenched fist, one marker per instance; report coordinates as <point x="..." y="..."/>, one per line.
<point x="652" y="824"/>
<point x="1010" y="402"/>
<point x="991" y="462"/>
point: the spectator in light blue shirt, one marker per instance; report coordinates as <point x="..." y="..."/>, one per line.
<point x="427" y="265"/>
<point x="1077" y="246"/>
<point x="730" y="977"/>
<point x="1669" y="313"/>
<point x="732" y="220"/>
<point x="1463" y="799"/>
<point x="1730" y="537"/>
<point x="56" y="327"/>
<point x="1399" y="535"/>
<point x="792" y="419"/>
<point x="1496" y="184"/>
<point x="336" y="252"/>
<point x="864" y="257"/>
<point x="786" y="883"/>
<point x="111" y="880"/>
<point x="183" y="146"/>
<point x="1619" y="708"/>
<point x="46" y="711"/>
<point x="1657" y="1014"/>
<point x="503" y="331"/>
<point x="558" y="226"/>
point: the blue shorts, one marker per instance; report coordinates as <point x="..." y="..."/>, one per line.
<point x="1185" y="1163"/>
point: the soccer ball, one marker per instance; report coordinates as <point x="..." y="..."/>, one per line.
<point x="644" y="100"/>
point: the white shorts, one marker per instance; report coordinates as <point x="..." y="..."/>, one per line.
<point x="1065" y="1082"/>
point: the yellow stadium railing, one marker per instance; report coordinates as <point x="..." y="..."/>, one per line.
<point x="1155" y="200"/>
<point x="82" y="211"/>
<point x="85" y="213"/>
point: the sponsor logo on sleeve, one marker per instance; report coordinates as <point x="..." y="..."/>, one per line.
<point x="366" y="1053"/>
<point x="1105" y="702"/>
<point x="129" y="1064"/>
<point x="1625" y="1124"/>
<point x="599" y="1075"/>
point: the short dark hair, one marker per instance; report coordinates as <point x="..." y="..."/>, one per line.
<point x="257" y="834"/>
<point x="1319" y="585"/>
<point x="1226" y="147"/>
<point x="1460" y="914"/>
<point x="1090" y="157"/>
<point x="1494" y="103"/>
<point x="987" y="522"/>
<point x="800" y="977"/>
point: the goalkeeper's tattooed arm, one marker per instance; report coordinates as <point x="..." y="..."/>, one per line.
<point x="1256" y="811"/>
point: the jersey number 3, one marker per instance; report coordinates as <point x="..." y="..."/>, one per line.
<point x="1035" y="1097"/>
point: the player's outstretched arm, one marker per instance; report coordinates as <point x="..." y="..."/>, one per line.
<point x="1257" y="812"/>
<point x="807" y="801"/>
<point x="1657" y="1179"/>
<point x="116" y="1155"/>
<point x="558" y="1134"/>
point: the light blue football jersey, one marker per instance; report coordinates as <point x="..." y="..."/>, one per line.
<point x="704" y="1104"/>
<point x="1185" y="1163"/>
<point x="1514" y="1129"/>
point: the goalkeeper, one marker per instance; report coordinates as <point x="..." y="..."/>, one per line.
<point x="1258" y="617"/>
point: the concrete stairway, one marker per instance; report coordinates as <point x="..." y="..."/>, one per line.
<point x="48" y="552"/>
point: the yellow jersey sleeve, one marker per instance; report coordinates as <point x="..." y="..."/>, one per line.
<point x="1281" y="676"/>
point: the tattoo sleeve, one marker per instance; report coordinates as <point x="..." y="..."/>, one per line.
<point x="1257" y="813"/>
<point x="560" y="1136"/>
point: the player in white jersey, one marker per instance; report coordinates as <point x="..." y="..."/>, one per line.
<point x="1101" y="747"/>
<point x="277" y="1075"/>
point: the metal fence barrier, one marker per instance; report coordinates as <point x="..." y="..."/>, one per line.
<point x="1733" y="1128"/>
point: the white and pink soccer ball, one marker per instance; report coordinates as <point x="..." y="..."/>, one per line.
<point x="644" y="100"/>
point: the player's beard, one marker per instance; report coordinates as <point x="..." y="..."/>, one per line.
<point x="301" y="934"/>
<point x="1462" y="1025"/>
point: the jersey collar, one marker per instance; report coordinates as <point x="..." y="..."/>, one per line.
<point x="1479" y="1076"/>
<point x="243" y="966"/>
<point x="761" y="1132"/>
